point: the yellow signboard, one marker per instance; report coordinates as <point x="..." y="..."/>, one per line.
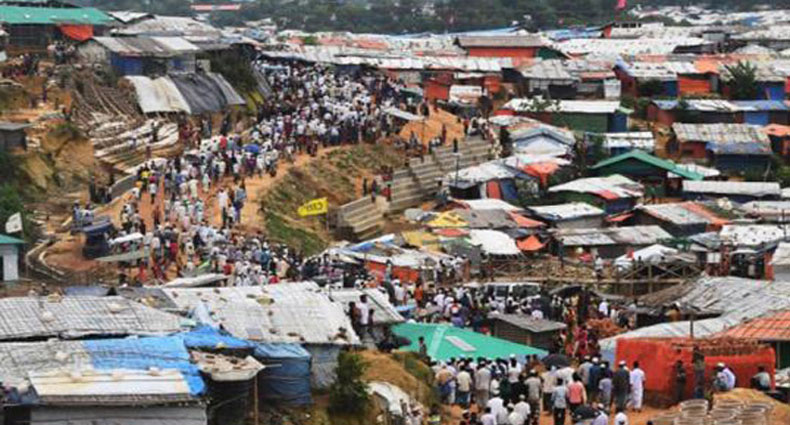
<point x="315" y="207"/>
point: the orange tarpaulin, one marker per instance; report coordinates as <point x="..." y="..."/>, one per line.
<point x="493" y="191"/>
<point x="525" y="222"/>
<point x="77" y="32"/>
<point x="777" y="130"/>
<point x="530" y="244"/>
<point x="541" y="170"/>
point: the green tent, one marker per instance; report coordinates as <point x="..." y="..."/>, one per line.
<point x="445" y="341"/>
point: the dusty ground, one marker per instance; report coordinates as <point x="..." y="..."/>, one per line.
<point x="432" y="127"/>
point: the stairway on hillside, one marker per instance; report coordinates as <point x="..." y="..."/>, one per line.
<point x="363" y="219"/>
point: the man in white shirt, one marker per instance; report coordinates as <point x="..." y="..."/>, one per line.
<point x="513" y="417"/>
<point x="522" y="407"/>
<point x="482" y="384"/>
<point x="730" y="377"/>
<point x="497" y="405"/>
<point x="463" y="387"/>
<point x="603" y="309"/>
<point x="637" y="387"/>
<point x="488" y="417"/>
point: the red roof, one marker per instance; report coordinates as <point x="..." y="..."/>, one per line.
<point x="774" y="327"/>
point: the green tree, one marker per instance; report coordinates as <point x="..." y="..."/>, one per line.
<point x="349" y="393"/>
<point x="743" y="81"/>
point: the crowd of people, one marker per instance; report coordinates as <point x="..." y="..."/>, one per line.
<point x="187" y="209"/>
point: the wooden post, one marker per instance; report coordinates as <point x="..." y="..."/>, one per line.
<point x="255" y="399"/>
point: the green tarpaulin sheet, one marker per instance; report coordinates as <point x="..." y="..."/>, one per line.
<point x="445" y="341"/>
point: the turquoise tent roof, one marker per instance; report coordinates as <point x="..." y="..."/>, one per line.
<point x="8" y="240"/>
<point x="17" y="15"/>
<point x="652" y="160"/>
<point x="445" y="341"/>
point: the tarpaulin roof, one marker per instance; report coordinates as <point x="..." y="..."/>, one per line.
<point x="486" y="204"/>
<point x="288" y="312"/>
<point x="444" y="342"/>
<point x="777" y="130"/>
<point x="20" y="15"/>
<point x="530" y="244"/>
<point x="406" y="116"/>
<point x="203" y="93"/>
<point x="159" y="95"/>
<point x="448" y="219"/>
<point x="630" y="235"/>
<point x="129" y="361"/>
<point x="147" y="46"/>
<point x="720" y="133"/>
<point x="493" y="242"/>
<point x="568" y="211"/>
<point x="611" y="187"/>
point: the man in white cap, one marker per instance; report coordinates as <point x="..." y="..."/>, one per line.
<point x="637" y="380"/>
<point x="482" y="384"/>
<point x="514" y="417"/>
<point x="497" y="405"/>
<point x="523" y="408"/>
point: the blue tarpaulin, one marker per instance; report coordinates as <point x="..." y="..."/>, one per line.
<point x="143" y="354"/>
<point x="208" y="338"/>
<point x="287" y="379"/>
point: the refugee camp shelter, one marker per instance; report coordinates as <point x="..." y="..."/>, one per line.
<point x="572" y="215"/>
<point x="613" y="193"/>
<point x="597" y="116"/>
<point x="656" y="173"/>
<point x="33" y="25"/>
<point x="13" y="136"/>
<point x="768" y="211"/>
<point x="735" y="191"/>
<point x="536" y="138"/>
<point x="506" y="46"/>
<point x="68" y="317"/>
<point x="9" y="253"/>
<point x="151" y="56"/>
<point x="102" y="381"/>
<point x="680" y="218"/>
<point x="734" y="148"/>
<point x="523" y="329"/>
<point x="609" y="242"/>
<point x="445" y="341"/>
<point x="772" y="329"/>
<point x="193" y="93"/>
<point x="292" y="313"/>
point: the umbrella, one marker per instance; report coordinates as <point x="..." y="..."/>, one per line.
<point x="253" y="148"/>
<point x="557" y="360"/>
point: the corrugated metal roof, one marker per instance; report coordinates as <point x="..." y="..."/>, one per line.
<point x="720" y="133"/>
<point x="682" y="213"/>
<point x="724" y="188"/>
<point x="772" y="327"/>
<point x="568" y="211"/>
<point x="567" y="106"/>
<point x="528" y="322"/>
<point x="501" y="41"/>
<point x="548" y="70"/>
<point x="616" y="47"/>
<point x="752" y="236"/>
<point x="92" y="415"/>
<point x="147" y="46"/>
<point x="288" y="313"/>
<point x="772" y="210"/>
<point x="383" y="311"/>
<point x="632" y="235"/>
<point x="609" y="188"/>
<point x="170" y="26"/>
<point x="74" y="317"/>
